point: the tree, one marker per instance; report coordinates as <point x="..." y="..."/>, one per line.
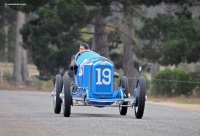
<point x="171" y="40"/>
<point x="7" y="19"/>
<point x="99" y="43"/>
<point x="130" y="10"/>
<point x="101" y="11"/>
<point x="17" y="71"/>
<point x="55" y="34"/>
<point x="20" y="70"/>
<point x="128" y="62"/>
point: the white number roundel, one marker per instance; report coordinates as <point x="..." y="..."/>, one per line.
<point x="103" y="76"/>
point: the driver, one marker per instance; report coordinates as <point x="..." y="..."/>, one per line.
<point x="73" y="66"/>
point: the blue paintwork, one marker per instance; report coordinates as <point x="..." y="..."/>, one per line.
<point x="86" y="55"/>
<point x="95" y="76"/>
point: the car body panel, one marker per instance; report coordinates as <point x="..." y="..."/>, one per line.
<point x="95" y="76"/>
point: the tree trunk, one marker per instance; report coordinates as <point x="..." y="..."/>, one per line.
<point x="25" y="73"/>
<point x="128" y="62"/>
<point x="17" y="75"/>
<point x="6" y="41"/>
<point x="100" y="37"/>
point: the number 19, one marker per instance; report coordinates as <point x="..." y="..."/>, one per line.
<point x="105" y="75"/>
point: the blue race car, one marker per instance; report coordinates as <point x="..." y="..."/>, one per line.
<point x="94" y="86"/>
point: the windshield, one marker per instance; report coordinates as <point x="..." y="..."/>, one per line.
<point x="86" y="55"/>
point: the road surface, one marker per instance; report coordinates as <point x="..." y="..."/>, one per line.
<point x="31" y="114"/>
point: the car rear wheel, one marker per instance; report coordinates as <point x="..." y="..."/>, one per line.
<point x="140" y="98"/>
<point x="124" y="84"/>
<point x="67" y="99"/>
<point x="56" y="97"/>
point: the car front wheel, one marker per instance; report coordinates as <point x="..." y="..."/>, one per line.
<point x="56" y="97"/>
<point x="67" y="99"/>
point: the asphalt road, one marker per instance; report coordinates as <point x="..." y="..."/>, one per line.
<point x="31" y="114"/>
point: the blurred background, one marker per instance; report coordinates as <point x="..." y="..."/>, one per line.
<point x="38" y="38"/>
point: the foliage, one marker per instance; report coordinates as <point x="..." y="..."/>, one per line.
<point x="53" y="37"/>
<point x="8" y="76"/>
<point x="160" y="87"/>
<point x="174" y="82"/>
<point x="181" y="88"/>
<point x="195" y="77"/>
<point x="170" y="40"/>
<point x="58" y="30"/>
<point x="100" y="6"/>
<point x="155" y="2"/>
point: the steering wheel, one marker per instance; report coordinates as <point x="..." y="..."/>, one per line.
<point x="82" y="51"/>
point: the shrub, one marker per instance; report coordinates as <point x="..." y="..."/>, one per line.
<point x="181" y="85"/>
<point x="160" y="84"/>
<point x="8" y="77"/>
<point x="174" y="82"/>
<point x="195" y="77"/>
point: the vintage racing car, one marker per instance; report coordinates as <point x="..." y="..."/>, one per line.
<point x="93" y="85"/>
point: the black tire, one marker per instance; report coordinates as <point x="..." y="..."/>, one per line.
<point x="56" y="98"/>
<point x="124" y="84"/>
<point x="67" y="98"/>
<point x="140" y="98"/>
